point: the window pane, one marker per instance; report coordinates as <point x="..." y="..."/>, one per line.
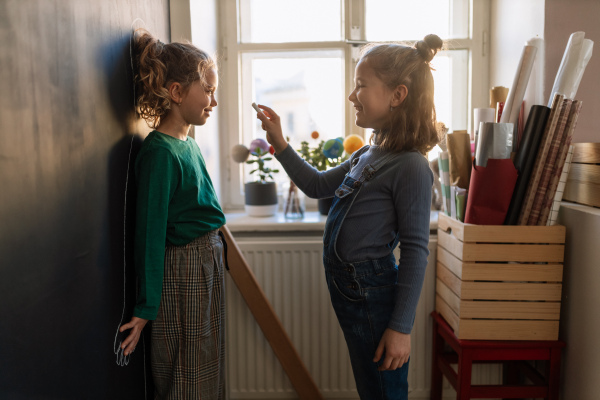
<point x="451" y="88"/>
<point x="278" y="21"/>
<point x="396" y="20"/>
<point x="304" y="88"/>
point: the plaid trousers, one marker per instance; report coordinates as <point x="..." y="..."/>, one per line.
<point x="188" y="335"/>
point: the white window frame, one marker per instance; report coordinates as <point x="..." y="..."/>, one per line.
<point x="230" y="98"/>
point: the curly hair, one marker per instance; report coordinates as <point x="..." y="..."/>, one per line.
<point x="159" y="65"/>
<point x="412" y="125"/>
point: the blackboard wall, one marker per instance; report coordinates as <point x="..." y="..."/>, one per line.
<point x="66" y="131"/>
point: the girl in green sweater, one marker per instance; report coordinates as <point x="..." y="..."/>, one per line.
<point x="178" y="249"/>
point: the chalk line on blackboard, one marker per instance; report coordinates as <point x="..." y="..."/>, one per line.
<point x="122" y="359"/>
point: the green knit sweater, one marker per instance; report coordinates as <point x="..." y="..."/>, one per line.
<point x="176" y="203"/>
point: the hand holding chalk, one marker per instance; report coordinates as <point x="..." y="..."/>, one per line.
<point x="258" y="110"/>
<point x="271" y="123"/>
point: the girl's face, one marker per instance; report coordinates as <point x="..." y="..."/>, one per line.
<point x="199" y="100"/>
<point x="372" y="99"/>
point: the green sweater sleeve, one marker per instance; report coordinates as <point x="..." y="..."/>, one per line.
<point x="156" y="180"/>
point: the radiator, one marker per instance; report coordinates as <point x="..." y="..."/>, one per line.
<point x="290" y="272"/>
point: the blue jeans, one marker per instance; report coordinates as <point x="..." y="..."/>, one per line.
<point x="363" y="297"/>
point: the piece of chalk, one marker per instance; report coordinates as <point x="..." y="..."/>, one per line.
<point x="256" y="108"/>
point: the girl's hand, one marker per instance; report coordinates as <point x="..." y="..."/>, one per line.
<point x="272" y="125"/>
<point x="136" y="325"/>
<point x="397" y="350"/>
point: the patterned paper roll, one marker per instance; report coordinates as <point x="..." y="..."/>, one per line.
<point x="525" y="159"/>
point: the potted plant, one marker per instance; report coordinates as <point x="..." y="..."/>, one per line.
<point x="260" y="195"/>
<point x="326" y="154"/>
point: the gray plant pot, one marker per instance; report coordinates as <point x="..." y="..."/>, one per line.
<point x="261" y="199"/>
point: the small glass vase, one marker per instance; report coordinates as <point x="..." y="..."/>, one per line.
<point x="293" y="202"/>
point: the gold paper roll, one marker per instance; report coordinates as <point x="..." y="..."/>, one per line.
<point x="498" y="94"/>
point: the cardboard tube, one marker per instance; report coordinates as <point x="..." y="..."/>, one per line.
<point x="498" y="94"/>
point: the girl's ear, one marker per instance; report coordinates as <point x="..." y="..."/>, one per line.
<point x="176" y="92"/>
<point x="399" y="95"/>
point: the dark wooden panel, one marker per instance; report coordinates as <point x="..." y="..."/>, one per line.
<point x="67" y="128"/>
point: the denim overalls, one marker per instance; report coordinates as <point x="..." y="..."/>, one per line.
<point x="363" y="296"/>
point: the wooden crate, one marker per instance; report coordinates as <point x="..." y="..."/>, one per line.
<point x="499" y="282"/>
<point x="583" y="182"/>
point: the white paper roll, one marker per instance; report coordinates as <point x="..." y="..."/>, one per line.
<point x="577" y="54"/>
<point x="510" y="114"/>
<point x="534" y="94"/>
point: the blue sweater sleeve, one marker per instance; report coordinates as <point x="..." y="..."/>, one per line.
<point x="314" y="183"/>
<point x="412" y="197"/>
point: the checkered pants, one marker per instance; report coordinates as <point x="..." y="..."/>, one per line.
<point x="188" y="335"/>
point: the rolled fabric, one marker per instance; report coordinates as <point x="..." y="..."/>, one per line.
<point x="490" y="192"/>
<point x="512" y="107"/>
<point x="495" y="141"/>
<point x="525" y="159"/>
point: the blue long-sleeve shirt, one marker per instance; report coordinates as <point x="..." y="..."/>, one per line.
<point x="396" y="200"/>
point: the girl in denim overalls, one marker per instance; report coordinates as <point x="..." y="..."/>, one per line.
<point x="382" y="200"/>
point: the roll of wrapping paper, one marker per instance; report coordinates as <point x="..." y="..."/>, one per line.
<point x="495" y="141"/>
<point x="445" y="180"/>
<point x="512" y="106"/>
<point x="498" y="94"/>
<point x="482" y="115"/>
<point x="525" y="159"/>
<point x="572" y="66"/>
<point x="557" y="167"/>
<point x="541" y="156"/>
<point x="499" y="109"/>
<point x="534" y="94"/>
<point x="459" y="156"/>
<point x="560" y="190"/>
<point x="556" y="139"/>
<point x="490" y="192"/>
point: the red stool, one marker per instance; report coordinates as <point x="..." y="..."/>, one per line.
<point x="467" y="352"/>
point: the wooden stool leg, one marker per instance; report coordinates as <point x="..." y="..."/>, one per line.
<point x="436" y="373"/>
<point x="465" y="365"/>
<point x="553" y="374"/>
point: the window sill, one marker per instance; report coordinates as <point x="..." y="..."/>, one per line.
<point x="312" y="222"/>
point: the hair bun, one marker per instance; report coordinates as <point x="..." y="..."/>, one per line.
<point x="429" y="46"/>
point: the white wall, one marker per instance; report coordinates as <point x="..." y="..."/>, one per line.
<point x="562" y="19"/>
<point x="579" y="317"/>
<point x="513" y="22"/>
